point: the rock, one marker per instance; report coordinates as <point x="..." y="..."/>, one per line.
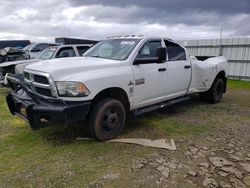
<point x="195" y="156"/>
<point x="219" y="162"/>
<point x="223" y="174"/>
<point x="137" y="165"/>
<point x="235" y="158"/>
<point x="203" y="171"/>
<point x="143" y="161"/>
<point x="160" y="160"/>
<point x="193" y="150"/>
<point x="163" y="170"/>
<point x="237" y="149"/>
<point x="192" y="173"/>
<point x="160" y="168"/>
<point x="165" y="173"/>
<point x="211" y="139"/>
<point x="247" y="159"/>
<point x="205" y="148"/>
<point x="172" y="165"/>
<point x="225" y="185"/>
<point x="237" y="183"/>
<point x="231" y="151"/>
<point x="210" y="182"/>
<point x="200" y="153"/>
<point x="248" y="155"/>
<point x="234" y="171"/>
<point x="214" y="149"/>
<point x="247" y="181"/>
<point x="245" y="166"/>
<point x="212" y="153"/>
<point x="111" y="176"/>
<point x="204" y="164"/>
<point x="153" y="164"/>
<point x="160" y="180"/>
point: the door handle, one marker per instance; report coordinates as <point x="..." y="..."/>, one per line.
<point x="187" y="66"/>
<point x="162" y="69"/>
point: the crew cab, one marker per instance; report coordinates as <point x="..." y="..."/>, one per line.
<point x="63" y="51"/>
<point x="118" y="75"/>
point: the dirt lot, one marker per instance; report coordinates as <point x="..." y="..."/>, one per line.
<point x="213" y="149"/>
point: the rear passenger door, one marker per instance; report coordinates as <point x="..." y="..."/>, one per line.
<point x="179" y="70"/>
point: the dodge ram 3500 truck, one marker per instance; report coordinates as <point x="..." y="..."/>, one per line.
<point x="116" y="76"/>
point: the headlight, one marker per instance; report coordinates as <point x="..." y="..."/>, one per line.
<point x="72" y="89"/>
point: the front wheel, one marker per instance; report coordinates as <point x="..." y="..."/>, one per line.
<point x="107" y="119"/>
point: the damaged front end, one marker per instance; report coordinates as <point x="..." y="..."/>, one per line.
<point x="40" y="111"/>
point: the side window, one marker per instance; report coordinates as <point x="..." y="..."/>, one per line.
<point x="175" y="52"/>
<point x="66" y="52"/>
<point x="82" y="49"/>
<point x="149" y="49"/>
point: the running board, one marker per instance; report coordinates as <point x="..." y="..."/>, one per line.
<point x="159" y="106"/>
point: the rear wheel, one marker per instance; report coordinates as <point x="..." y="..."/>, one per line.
<point x="215" y="93"/>
<point x="107" y="119"/>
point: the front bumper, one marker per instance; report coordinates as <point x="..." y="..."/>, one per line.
<point x="41" y="111"/>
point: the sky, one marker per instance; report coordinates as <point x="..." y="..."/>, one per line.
<point x="97" y="19"/>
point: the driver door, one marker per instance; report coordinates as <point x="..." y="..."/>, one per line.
<point x="149" y="79"/>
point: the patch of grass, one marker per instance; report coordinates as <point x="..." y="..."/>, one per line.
<point x="238" y="84"/>
<point x="177" y="128"/>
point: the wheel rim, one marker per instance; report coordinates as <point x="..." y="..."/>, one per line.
<point x="110" y="121"/>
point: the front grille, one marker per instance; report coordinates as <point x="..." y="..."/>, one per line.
<point x="39" y="83"/>
<point x="42" y="91"/>
<point x="41" y="79"/>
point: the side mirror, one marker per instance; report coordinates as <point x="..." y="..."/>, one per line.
<point x="160" y="57"/>
<point x="161" y="54"/>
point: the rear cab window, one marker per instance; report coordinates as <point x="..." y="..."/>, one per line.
<point x="82" y="49"/>
<point x="174" y="51"/>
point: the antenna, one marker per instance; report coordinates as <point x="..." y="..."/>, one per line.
<point x="220" y="42"/>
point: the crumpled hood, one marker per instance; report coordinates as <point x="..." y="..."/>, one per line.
<point x="65" y="68"/>
<point x="18" y="62"/>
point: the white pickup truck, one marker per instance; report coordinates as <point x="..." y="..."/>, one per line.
<point x="116" y="76"/>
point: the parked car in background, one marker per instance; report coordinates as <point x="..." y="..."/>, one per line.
<point x="17" y="67"/>
<point x="34" y="49"/>
<point x="12" y="54"/>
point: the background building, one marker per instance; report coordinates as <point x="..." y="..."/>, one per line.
<point x="236" y="50"/>
<point x="64" y="41"/>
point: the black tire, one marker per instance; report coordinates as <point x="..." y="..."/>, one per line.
<point x="215" y="93"/>
<point x="107" y="119"/>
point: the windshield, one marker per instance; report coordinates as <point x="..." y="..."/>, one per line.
<point x="27" y="47"/>
<point x="48" y="53"/>
<point x="117" y="49"/>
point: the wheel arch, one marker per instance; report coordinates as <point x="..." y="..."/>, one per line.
<point x="113" y="92"/>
